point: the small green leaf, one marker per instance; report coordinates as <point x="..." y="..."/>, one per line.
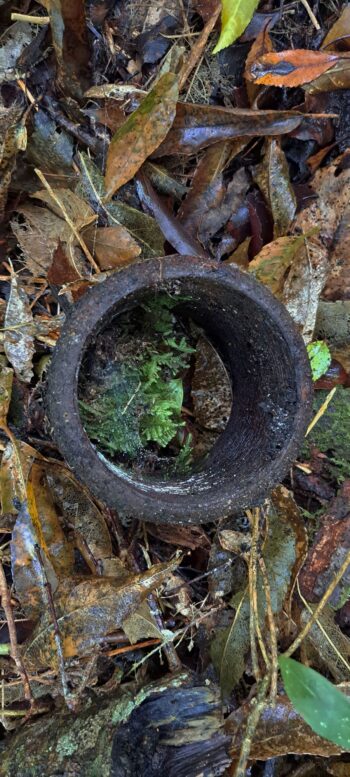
<point x="320" y="703"/>
<point x="320" y="358"/>
<point x="5" y="649"/>
<point x="235" y="17"/>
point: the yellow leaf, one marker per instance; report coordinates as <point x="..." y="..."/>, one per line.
<point x="235" y="17"/>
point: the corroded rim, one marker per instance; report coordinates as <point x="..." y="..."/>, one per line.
<point x="217" y="489"/>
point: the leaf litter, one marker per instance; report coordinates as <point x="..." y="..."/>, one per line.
<point x="153" y="132"/>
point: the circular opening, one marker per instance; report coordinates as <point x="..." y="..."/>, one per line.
<point x="267" y="367"/>
<point x="154" y="394"/>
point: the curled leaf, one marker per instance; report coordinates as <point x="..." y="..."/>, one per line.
<point x="290" y="68"/>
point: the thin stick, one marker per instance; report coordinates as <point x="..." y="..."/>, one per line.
<point x="257" y="707"/>
<point x="273" y="633"/>
<point x="198" y="48"/>
<point x="15" y="653"/>
<point x="319" y="624"/>
<point x="297" y="642"/>
<point x="311" y="14"/>
<point x="23" y="17"/>
<point x="129" y="648"/>
<point x="321" y="411"/>
<point x="57" y="636"/>
<point x="58" y="202"/>
<point x="253" y="617"/>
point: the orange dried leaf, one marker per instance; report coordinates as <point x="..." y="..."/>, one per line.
<point x="291" y="68"/>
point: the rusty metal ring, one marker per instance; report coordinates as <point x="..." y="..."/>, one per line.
<point x="267" y="363"/>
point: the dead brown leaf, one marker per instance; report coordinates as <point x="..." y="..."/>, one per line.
<point x="18" y="339"/>
<point x="141" y="134"/>
<point x="113" y="247"/>
<point x="293" y="67"/>
<point x="70" y="40"/>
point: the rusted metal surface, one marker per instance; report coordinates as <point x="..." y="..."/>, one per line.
<point x="272" y="391"/>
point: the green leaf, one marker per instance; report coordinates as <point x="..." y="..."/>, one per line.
<point x="5" y="649"/>
<point x="320" y="358"/>
<point x="319" y="702"/>
<point x="235" y="17"/>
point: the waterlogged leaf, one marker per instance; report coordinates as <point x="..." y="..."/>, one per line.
<point x="283" y="551"/>
<point x="272" y="177"/>
<point x="78" y="210"/>
<point x="280" y="731"/>
<point x="6" y="380"/>
<point x="172" y="229"/>
<point x="112" y="246"/>
<point x="293" y="67"/>
<point x="37" y="524"/>
<point x="38" y="234"/>
<point x="197" y="126"/>
<point x="320" y="358"/>
<point x="141" y="134"/>
<point x="304" y="284"/>
<point x="338" y="35"/>
<point x="143" y="228"/>
<point x="71" y="45"/>
<point x="88" y="611"/>
<point x="19" y="340"/>
<point x="141" y="625"/>
<point x="235" y="17"/>
<point x="16" y="463"/>
<point x="271" y="264"/>
<point x="321" y="704"/>
<point x="207" y="188"/>
<point x="230" y="646"/>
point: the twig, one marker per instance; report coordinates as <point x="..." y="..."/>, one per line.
<point x="58" y="202"/>
<point x="332" y="586"/>
<point x="273" y="633"/>
<point x="57" y="636"/>
<point x="198" y="48"/>
<point x="23" y="17"/>
<point x="257" y="707"/>
<point x="254" y="617"/>
<point x="129" y="648"/>
<point x="321" y="411"/>
<point x="311" y="14"/>
<point x="15" y="653"/>
<point x="319" y="624"/>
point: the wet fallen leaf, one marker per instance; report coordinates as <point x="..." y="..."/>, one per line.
<point x="16" y="463"/>
<point x="38" y="234"/>
<point x="89" y="611"/>
<point x="10" y="143"/>
<point x="18" y="339"/>
<point x="70" y="41"/>
<point x="235" y="17"/>
<point x="113" y="246"/>
<point x="141" y="134"/>
<point x="273" y="179"/>
<point x="326" y="647"/>
<point x="6" y="380"/>
<point x="271" y="264"/>
<point x="37" y="524"/>
<point x="61" y="269"/>
<point x="293" y="67"/>
<point x="207" y="188"/>
<point x="280" y="731"/>
<point x="338" y="35"/>
<point x="304" y="284"/>
<point x="261" y="45"/>
<point x="163" y="181"/>
<point x="197" y="126"/>
<point x="143" y="228"/>
<point x="172" y="229"/>
<point x="283" y="552"/>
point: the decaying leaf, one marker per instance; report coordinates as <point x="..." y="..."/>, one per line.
<point x="37" y="524"/>
<point x="338" y="35"/>
<point x="141" y="134"/>
<point x="113" y="246"/>
<point x="16" y="463"/>
<point x="19" y="340"/>
<point x="304" y="284"/>
<point x="283" y="552"/>
<point x="198" y="126"/>
<point x="70" y="40"/>
<point x="273" y="178"/>
<point x="280" y="731"/>
<point x="291" y="68"/>
<point x="12" y="140"/>
<point x="6" y="380"/>
<point x="88" y="611"/>
<point x="271" y="264"/>
<point x="38" y="236"/>
<point x="235" y="17"/>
